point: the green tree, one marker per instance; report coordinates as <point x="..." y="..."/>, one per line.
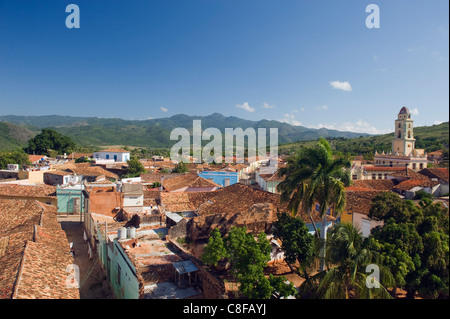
<point x="348" y="255"/>
<point x="215" y="250"/>
<point x="47" y="140"/>
<point x="135" y="167"/>
<point x="297" y="243"/>
<point x="316" y="175"/>
<point x="13" y="157"/>
<point x="413" y="243"/>
<point x="180" y="168"/>
<point x="247" y="257"/>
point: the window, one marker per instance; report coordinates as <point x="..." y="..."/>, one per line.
<point x="354" y="177"/>
<point x="380" y="176"/>
<point x="365" y="229"/>
<point x="421" y="165"/>
<point x="409" y="134"/>
<point x="374" y="176"/>
<point x="107" y="156"/>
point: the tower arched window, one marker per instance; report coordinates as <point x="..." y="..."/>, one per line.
<point x="399" y="134"/>
<point x="409" y="134"/>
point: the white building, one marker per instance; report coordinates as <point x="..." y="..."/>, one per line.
<point x="116" y="154"/>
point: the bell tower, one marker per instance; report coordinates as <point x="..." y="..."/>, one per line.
<point x="403" y="142"/>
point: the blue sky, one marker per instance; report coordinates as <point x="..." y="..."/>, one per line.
<point x="310" y="63"/>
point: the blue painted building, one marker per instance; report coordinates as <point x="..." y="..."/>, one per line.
<point x="222" y="178"/>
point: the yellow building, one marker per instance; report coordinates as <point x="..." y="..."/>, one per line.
<point x="403" y="154"/>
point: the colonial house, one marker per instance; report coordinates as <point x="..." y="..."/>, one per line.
<point x="114" y="154"/>
<point x="439" y="175"/>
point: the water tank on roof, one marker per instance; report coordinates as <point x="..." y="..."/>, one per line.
<point x="131" y="232"/>
<point x="122" y="233"/>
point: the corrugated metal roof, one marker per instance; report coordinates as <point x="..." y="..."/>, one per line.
<point x="184" y="267"/>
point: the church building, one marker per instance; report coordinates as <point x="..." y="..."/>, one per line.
<point x="403" y="154"/>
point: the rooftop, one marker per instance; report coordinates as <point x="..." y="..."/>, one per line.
<point x="114" y="150"/>
<point x="188" y="180"/>
<point x="17" y="190"/>
<point x="34" y="252"/>
<point x="439" y="173"/>
<point x="411" y="183"/>
<point x="360" y="201"/>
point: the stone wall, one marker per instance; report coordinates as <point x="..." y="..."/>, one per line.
<point x="212" y="286"/>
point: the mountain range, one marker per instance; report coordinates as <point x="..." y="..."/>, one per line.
<point x="93" y="131"/>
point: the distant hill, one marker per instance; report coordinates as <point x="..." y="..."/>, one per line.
<point x="430" y="138"/>
<point x="13" y="136"/>
<point x="93" y="131"/>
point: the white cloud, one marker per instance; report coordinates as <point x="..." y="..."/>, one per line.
<point x="322" y="107"/>
<point x="438" y="122"/>
<point x="246" y="107"/>
<point x="290" y="119"/>
<point x="164" y="109"/>
<point x="414" y="111"/>
<point x="268" y="106"/>
<point x="302" y="109"/>
<point x="359" y="126"/>
<point x="375" y="57"/>
<point x="345" y="86"/>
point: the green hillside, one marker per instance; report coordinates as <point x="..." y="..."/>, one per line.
<point x="155" y="133"/>
<point x="14" y="136"/>
<point x="430" y="138"/>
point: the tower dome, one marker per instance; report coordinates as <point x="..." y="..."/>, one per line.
<point x="404" y="110"/>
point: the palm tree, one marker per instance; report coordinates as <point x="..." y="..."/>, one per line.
<point x="349" y="256"/>
<point x="315" y="175"/>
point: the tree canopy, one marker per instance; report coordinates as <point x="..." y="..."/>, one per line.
<point x="49" y="140"/>
<point x="247" y="256"/>
<point x="413" y="243"/>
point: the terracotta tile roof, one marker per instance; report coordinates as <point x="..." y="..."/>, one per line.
<point x="383" y="168"/>
<point x="360" y="201"/>
<point x="35" y="158"/>
<point x="35" y="252"/>
<point x="177" y="202"/>
<point x="91" y="171"/>
<point x="115" y="150"/>
<point x="156" y="177"/>
<point x="237" y="198"/>
<point x="17" y="190"/>
<point x="189" y="180"/>
<point x="411" y="183"/>
<point x="440" y="173"/>
<point x="58" y="172"/>
<point x="79" y="155"/>
<point x="272" y="177"/>
<point x="407" y="173"/>
<point x="373" y="184"/>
